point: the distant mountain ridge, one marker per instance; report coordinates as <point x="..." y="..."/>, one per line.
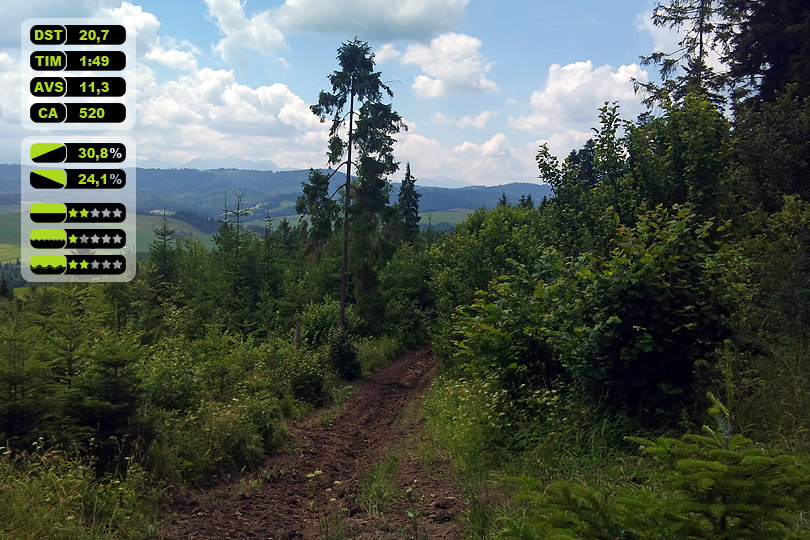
<point x="271" y="193"/>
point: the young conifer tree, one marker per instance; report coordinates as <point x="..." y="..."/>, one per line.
<point x="369" y="125"/>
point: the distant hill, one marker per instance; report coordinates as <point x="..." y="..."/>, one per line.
<point x="269" y="193"/>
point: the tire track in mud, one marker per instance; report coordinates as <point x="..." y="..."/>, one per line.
<point x="315" y="476"/>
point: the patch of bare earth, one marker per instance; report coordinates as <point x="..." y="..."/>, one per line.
<point x="314" y="481"/>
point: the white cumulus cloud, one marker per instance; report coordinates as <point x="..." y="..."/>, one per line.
<point x="242" y="34"/>
<point x="372" y="19"/>
<point x="491" y="162"/>
<point x="386" y="52"/>
<point x="478" y="121"/>
<point x="574" y="92"/>
<point x="451" y="64"/>
<point x="172" y="56"/>
<point x="208" y="112"/>
<point x="144" y="23"/>
<point x="9" y="88"/>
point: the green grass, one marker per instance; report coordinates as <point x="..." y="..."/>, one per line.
<point x="379" y="487"/>
<point x="10" y="229"/>
<point x="374" y="353"/>
<point x="454" y="216"/>
<point x="147" y="224"/>
<point x="9" y="252"/>
<point x="20" y="291"/>
<point x="47" y="495"/>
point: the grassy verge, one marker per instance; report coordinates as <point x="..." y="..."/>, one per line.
<point x="9" y="252"/>
<point x="209" y="410"/>
<point x="575" y="473"/>
<point x="374" y="353"/>
<point x="50" y="495"/>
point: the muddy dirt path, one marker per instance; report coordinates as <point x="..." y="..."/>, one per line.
<point x="312" y="484"/>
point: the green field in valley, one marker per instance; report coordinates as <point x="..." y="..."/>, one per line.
<point x="454" y="216"/>
<point x="145" y="225"/>
<point x="9" y="252"/>
<point x="10" y="229"/>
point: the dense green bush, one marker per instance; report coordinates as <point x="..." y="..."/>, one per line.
<point x="654" y="314"/>
<point x="406" y="285"/>
<point x="373" y="353"/>
<point x="711" y="486"/>
<point x="306" y="375"/>
<point x="343" y="357"/>
<point x="633" y="330"/>
<point x="320" y="321"/>
<point x="777" y="248"/>
<point x="478" y="250"/>
<point x="48" y="495"/>
<point x="196" y="447"/>
<point x="169" y="380"/>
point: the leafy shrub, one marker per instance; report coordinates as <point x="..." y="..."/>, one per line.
<point x="778" y="253"/>
<point x="169" y="380"/>
<point x="711" y="486"/>
<point x="477" y="252"/>
<point x="373" y="353"/>
<point x="343" y="357"/>
<point x="194" y="448"/>
<point x="49" y="495"/>
<point x="632" y="330"/>
<point x="506" y="334"/>
<point x="406" y="285"/>
<point x="654" y="314"/>
<point x="306" y="375"/>
<point x="320" y="321"/>
<point x="265" y="412"/>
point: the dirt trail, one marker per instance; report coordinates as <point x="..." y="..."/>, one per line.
<point x="314" y="481"/>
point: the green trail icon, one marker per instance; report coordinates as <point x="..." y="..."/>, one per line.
<point x="48" y="264"/>
<point x="48" y="178"/>
<point x="48" y="152"/>
<point x="48" y="212"/>
<point x="48" y="238"/>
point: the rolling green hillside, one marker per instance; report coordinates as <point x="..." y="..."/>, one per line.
<point x="147" y="224"/>
<point x="10" y="233"/>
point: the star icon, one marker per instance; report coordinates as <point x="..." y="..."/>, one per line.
<point x="117" y="213"/>
<point x="106" y="264"/>
<point x="83" y="238"/>
<point x="83" y="212"/>
<point x="117" y="265"/>
<point x="72" y="238"/>
<point x="106" y="212"/>
<point x="95" y="238"/>
<point x="106" y="239"/>
<point x="73" y="212"/>
<point x="94" y="265"/>
<point x="116" y="239"/>
<point x="94" y="212"/>
<point x="72" y="265"/>
<point x="83" y="264"/>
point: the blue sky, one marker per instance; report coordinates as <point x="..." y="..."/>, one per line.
<point x="481" y="83"/>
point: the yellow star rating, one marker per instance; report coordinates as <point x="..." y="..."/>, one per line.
<point x="84" y="264"/>
<point x="72" y="265"/>
<point x="73" y="212"/>
<point x="84" y="212"/>
<point x="72" y="238"/>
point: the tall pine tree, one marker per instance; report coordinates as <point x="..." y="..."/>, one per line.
<point x="370" y="134"/>
<point x="408" y="206"/>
